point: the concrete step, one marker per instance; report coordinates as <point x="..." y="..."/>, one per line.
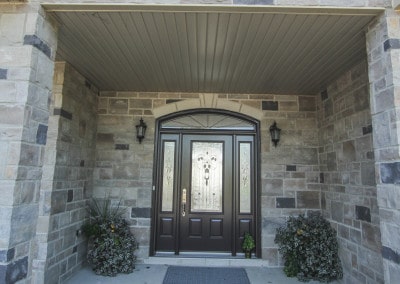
<point x="206" y="261"/>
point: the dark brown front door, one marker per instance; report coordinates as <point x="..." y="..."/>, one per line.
<point x="206" y="194"/>
<point x="205" y="186"/>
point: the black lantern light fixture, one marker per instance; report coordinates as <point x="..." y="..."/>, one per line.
<point x="141" y="130"/>
<point x="275" y="133"/>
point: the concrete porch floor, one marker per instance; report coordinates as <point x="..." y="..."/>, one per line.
<point x="153" y="271"/>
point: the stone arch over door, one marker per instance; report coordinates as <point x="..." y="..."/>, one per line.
<point x="210" y="101"/>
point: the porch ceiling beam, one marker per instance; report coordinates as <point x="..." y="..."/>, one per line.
<point x="253" y="9"/>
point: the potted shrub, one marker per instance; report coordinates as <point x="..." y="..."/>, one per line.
<point x="248" y="244"/>
<point x="111" y="244"/>
<point x="309" y="248"/>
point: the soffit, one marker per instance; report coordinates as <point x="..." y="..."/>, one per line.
<point x="217" y="49"/>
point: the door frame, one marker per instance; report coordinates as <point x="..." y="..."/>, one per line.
<point x="257" y="160"/>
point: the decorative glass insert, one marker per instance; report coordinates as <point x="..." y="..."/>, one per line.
<point x="168" y="176"/>
<point x="206" y="185"/>
<point x="207" y="121"/>
<point x="245" y="178"/>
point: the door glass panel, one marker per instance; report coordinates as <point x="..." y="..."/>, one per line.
<point x="168" y="176"/>
<point x="245" y="178"/>
<point x="207" y="121"/>
<point x="206" y="184"/>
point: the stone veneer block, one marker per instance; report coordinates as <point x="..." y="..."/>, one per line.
<point x="390" y="173"/>
<point x="363" y="213"/>
<point x="118" y="106"/>
<point x="70" y="196"/>
<point x="285" y="202"/>
<point x="3" y="74"/>
<point x="270" y="105"/>
<point x="7" y="255"/>
<point x="308" y="199"/>
<point x="391" y="43"/>
<point x="324" y="95"/>
<point x="41" y="134"/>
<point x="38" y="43"/>
<point x="367" y="129"/>
<point x="389" y="254"/>
<point x="14" y="271"/>
<point x="290" y="168"/>
<point x="307" y="103"/>
<point x="141" y="213"/>
<point x="140" y="103"/>
<point x="368" y="173"/>
<point x="250" y="111"/>
<point x="121" y="146"/>
<point x="63" y="113"/>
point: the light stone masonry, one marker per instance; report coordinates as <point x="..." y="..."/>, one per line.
<point x="61" y="144"/>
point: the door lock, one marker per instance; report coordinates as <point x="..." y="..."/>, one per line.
<point x="184" y="202"/>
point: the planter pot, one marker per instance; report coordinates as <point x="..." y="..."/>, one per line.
<point x="247" y="254"/>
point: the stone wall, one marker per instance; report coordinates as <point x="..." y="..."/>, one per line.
<point x="348" y="174"/>
<point x="67" y="176"/>
<point x="383" y="40"/>
<point x="27" y="50"/>
<point x="290" y="172"/>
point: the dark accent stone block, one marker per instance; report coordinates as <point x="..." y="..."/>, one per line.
<point x="3" y="73"/>
<point x="14" y="271"/>
<point x="389" y="254"/>
<point x="170" y="101"/>
<point x="141" y="213"/>
<point x="7" y="255"/>
<point x="390" y="173"/>
<point x="285" y="202"/>
<point x="363" y="213"/>
<point x="41" y="134"/>
<point x="391" y="43"/>
<point x="324" y="95"/>
<point x="38" y="43"/>
<point x="270" y="105"/>
<point x="82" y="164"/>
<point x="121" y="146"/>
<point x="321" y="178"/>
<point x="70" y="196"/>
<point x="291" y="168"/>
<point x="75" y="249"/>
<point x="367" y="129"/>
<point x="63" y="113"/>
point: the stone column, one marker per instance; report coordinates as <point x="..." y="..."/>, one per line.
<point x="27" y="50"/>
<point x="383" y="46"/>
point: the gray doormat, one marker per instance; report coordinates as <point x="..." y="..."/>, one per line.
<point x="205" y="275"/>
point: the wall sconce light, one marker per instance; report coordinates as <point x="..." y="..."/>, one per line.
<point x="141" y="130"/>
<point x="275" y="133"/>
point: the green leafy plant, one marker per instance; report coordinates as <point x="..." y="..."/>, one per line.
<point x="309" y="248"/>
<point x="248" y="244"/>
<point x="112" y="245"/>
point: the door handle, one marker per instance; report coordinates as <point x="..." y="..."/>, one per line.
<point x="184" y="202"/>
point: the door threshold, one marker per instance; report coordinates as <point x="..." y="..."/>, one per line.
<point x="206" y="260"/>
<point x="187" y="254"/>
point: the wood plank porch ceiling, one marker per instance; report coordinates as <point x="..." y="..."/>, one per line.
<point x="217" y="49"/>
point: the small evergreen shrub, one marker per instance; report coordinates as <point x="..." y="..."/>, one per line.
<point x="309" y="248"/>
<point x="112" y="246"/>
